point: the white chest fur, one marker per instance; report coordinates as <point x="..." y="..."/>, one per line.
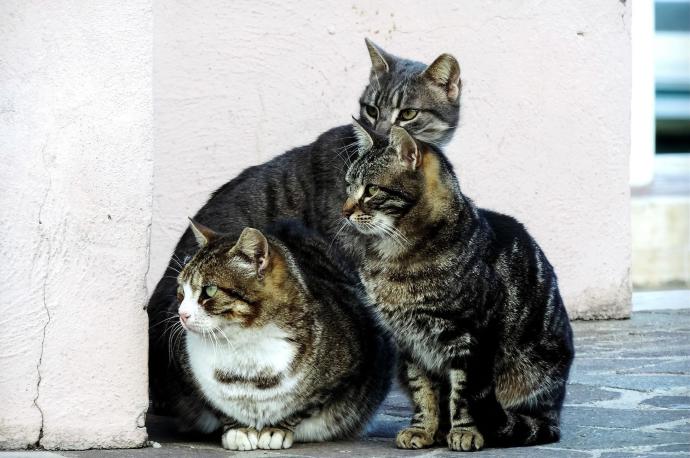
<point x="244" y="356"/>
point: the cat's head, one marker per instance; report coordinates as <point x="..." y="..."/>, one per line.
<point x="234" y="282"/>
<point x="396" y="180"/>
<point x="424" y="99"/>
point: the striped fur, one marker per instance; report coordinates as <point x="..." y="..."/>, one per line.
<point x="469" y="296"/>
<point x="306" y="184"/>
<point x="399" y="88"/>
<point x="284" y="349"/>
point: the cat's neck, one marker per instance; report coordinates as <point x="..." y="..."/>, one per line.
<point x="223" y="347"/>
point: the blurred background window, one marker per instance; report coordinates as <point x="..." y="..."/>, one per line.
<point x="660" y="155"/>
<point x="672" y="75"/>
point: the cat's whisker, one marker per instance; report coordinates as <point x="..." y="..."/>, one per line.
<point x="395" y="231"/>
<point x="392" y="233"/>
<point x="400" y="235"/>
<point x="178" y="336"/>
<point x="373" y="224"/>
<point x="215" y="340"/>
<point x="343" y="225"/>
<point x="162" y="321"/>
<point x="213" y="343"/>
<point x="170" y="327"/>
<point x="218" y="343"/>
<point x="344" y="153"/>
<point x="392" y="236"/>
<point x="179" y="261"/>
<point x="232" y="346"/>
<point x="347" y="147"/>
<point x="171" y="341"/>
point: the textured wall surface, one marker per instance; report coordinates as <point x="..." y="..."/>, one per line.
<point x="544" y="135"/>
<point x="75" y="192"/>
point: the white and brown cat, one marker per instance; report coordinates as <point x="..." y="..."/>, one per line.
<point x="278" y="340"/>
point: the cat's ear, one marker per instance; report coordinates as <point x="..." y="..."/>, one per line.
<point x="364" y="140"/>
<point x="406" y="147"/>
<point x="445" y="72"/>
<point x="203" y="234"/>
<point x="254" y="246"/>
<point x="379" y="57"/>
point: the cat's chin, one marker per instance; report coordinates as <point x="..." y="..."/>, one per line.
<point x="207" y="332"/>
<point x="195" y="330"/>
<point x="368" y="230"/>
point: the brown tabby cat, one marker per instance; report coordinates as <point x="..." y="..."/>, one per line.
<point x="277" y="338"/>
<point x="469" y="296"/>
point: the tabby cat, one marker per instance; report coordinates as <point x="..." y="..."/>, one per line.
<point x="278" y="339"/>
<point x="306" y="184"/>
<point x="470" y="298"/>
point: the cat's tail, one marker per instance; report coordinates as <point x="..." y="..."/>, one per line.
<point x="517" y="429"/>
<point x="538" y="423"/>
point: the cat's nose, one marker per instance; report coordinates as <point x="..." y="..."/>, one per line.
<point x="184" y="316"/>
<point x="383" y="127"/>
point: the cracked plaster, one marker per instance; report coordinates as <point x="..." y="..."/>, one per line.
<point x="75" y="191"/>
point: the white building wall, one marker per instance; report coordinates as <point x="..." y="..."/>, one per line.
<point x="544" y="135"/>
<point x="76" y="168"/>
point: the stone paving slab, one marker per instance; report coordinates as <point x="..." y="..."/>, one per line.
<point x="628" y="396"/>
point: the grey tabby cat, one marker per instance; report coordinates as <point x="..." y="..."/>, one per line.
<point x="307" y="184"/>
<point x="469" y="296"/>
<point x="278" y="339"/>
<point x="422" y="99"/>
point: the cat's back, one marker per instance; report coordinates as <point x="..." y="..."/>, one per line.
<point x="529" y="285"/>
<point x="507" y="231"/>
<point x="291" y="185"/>
<point x="305" y="183"/>
<point x="318" y="258"/>
<point x="511" y="241"/>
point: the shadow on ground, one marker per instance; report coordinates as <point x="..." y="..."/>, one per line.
<point x="629" y="395"/>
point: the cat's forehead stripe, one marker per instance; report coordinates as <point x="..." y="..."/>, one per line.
<point x="399" y="93"/>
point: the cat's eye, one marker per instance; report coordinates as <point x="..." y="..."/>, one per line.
<point x="180" y="293"/>
<point x="371" y="190"/>
<point x="371" y="111"/>
<point x="210" y="290"/>
<point x="408" y="114"/>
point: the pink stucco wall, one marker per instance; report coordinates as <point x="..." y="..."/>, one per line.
<point x="544" y="135"/>
<point x="75" y="197"/>
<point x="85" y="88"/>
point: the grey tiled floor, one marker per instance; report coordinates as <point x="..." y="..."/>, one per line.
<point x="629" y="395"/>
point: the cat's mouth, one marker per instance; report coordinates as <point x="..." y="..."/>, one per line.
<point x="365" y="224"/>
<point x="374" y="225"/>
<point x="191" y="327"/>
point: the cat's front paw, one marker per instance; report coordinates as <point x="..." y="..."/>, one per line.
<point x="240" y="439"/>
<point x="414" y="438"/>
<point x="275" y="438"/>
<point x="465" y="439"/>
